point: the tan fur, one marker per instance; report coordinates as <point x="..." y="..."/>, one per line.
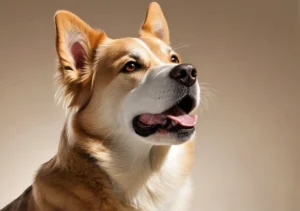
<point x="155" y="15"/>
<point x="76" y="179"/>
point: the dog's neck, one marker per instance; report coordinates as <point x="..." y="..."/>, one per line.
<point x="138" y="172"/>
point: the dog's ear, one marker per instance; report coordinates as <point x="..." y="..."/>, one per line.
<point x="76" y="44"/>
<point x="155" y="23"/>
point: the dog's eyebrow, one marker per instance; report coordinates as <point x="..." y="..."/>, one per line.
<point x="135" y="56"/>
<point x="166" y="49"/>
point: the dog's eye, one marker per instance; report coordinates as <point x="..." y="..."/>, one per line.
<point x="130" y="67"/>
<point x="174" y="59"/>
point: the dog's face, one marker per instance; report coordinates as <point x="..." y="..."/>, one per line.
<point x="133" y="87"/>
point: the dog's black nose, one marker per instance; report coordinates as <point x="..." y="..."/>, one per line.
<point x="185" y="74"/>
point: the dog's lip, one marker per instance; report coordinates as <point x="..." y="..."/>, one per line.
<point x="173" y="119"/>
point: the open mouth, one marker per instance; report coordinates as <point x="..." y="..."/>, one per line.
<point x="174" y="120"/>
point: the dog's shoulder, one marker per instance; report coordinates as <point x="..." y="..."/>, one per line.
<point x="22" y="203"/>
<point x="78" y="187"/>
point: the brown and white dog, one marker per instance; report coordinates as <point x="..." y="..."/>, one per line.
<point x="127" y="144"/>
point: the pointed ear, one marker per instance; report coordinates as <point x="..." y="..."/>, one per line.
<point x="155" y="23"/>
<point x="76" y="44"/>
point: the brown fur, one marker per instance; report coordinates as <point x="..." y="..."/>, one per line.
<point x="73" y="179"/>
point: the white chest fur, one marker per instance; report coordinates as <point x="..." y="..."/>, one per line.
<point x="145" y="189"/>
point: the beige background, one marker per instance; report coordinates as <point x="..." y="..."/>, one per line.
<point x="247" y="52"/>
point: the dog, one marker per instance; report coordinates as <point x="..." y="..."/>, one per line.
<point x="128" y="140"/>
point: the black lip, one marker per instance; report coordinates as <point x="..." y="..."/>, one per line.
<point x="180" y="131"/>
<point x="141" y="131"/>
<point x="187" y="104"/>
<point x="185" y="133"/>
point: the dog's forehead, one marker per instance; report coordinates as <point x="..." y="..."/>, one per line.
<point x="156" y="45"/>
<point x="157" y="48"/>
<point x="145" y="48"/>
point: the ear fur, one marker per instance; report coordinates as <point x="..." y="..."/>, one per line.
<point x="155" y="23"/>
<point x="76" y="43"/>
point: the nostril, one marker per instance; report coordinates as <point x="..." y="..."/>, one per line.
<point x="194" y="73"/>
<point x="183" y="74"/>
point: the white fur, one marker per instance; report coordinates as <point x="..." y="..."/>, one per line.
<point x="137" y="185"/>
<point x="182" y="199"/>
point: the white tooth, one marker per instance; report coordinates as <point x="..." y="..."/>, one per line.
<point x="174" y="123"/>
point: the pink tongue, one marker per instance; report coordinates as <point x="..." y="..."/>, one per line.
<point x="180" y="117"/>
<point x="184" y="120"/>
<point x="153" y="119"/>
<point x="175" y="114"/>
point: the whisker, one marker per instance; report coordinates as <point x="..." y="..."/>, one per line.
<point x="207" y="95"/>
<point x="107" y="135"/>
<point x="181" y="46"/>
<point x="112" y="142"/>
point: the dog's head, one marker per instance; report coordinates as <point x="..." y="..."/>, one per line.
<point x="134" y="87"/>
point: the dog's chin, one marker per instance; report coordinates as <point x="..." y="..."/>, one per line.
<point x="173" y="138"/>
<point x="173" y="126"/>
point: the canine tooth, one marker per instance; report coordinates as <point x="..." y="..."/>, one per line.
<point x="174" y="123"/>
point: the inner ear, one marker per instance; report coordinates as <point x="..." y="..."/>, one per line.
<point x="79" y="55"/>
<point x="155" y="23"/>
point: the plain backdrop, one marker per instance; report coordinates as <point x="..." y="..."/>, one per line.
<point x="247" y="55"/>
